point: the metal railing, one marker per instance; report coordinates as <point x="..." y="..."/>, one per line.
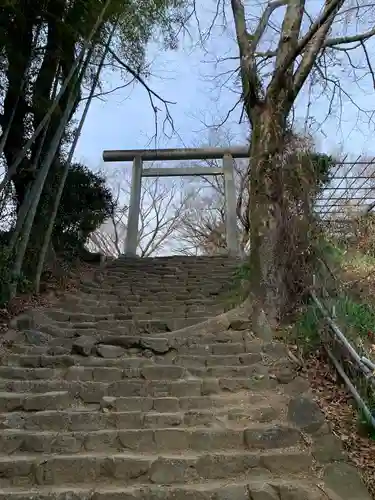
<point x="356" y="370"/>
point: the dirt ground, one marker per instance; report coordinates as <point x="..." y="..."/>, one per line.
<point x="337" y="405"/>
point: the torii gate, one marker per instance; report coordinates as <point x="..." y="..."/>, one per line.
<point x="138" y="156"/>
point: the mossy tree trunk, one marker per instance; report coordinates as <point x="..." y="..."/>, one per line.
<point x="268" y="109"/>
<point x="266" y="207"/>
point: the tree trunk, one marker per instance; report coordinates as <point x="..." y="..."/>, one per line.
<point x="64" y="87"/>
<point x="266" y="213"/>
<point x="57" y="198"/>
<point x="44" y="88"/>
<point x="35" y="194"/>
<point x="20" y="31"/>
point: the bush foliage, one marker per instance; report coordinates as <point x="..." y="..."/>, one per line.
<point x="85" y="204"/>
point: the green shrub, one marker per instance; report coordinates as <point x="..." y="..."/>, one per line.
<point x="306" y="330"/>
<point x="358" y="316"/>
<point x="86" y="203"/>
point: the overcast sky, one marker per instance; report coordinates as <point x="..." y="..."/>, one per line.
<point x="193" y="79"/>
<point x="190" y="78"/>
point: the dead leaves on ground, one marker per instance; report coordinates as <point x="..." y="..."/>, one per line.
<point x="336" y="403"/>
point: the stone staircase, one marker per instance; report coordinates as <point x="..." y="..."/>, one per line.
<point x="118" y="391"/>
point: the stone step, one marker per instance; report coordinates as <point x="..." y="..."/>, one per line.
<point x="88" y="420"/>
<point x="93" y="392"/>
<point x="187" y="403"/>
<point x="210" y="360"/>
<point x="229" y="343"/>
<point x="261" y="488"/>
<point x="187" y="272"/>
<point x="198" y="352"/>
<point x="66" y="360"/>
<point x="189" y="355"/>
<point x="142" y="281"/>
<point x="147" y="285"/>
<point x="47" y="400"/>
<point x="196" y="337"/>
<point x="123" y="327"/>
<point x="29" y="356"/>
<point x="176" y="262"/>
<point x="103" y="374"/>
<point x="165" y="291"/>
<point x="162" y="404"/>
<point x="145" y="297"/>
<point x="116" y="305"/>
<point x="132" y="308"/>
<point x="256" y="369"/>
<point x="150" y="440"/>
<point x="177" y="266"/>
<point x="148" y="372"/>
<point x="184" y="290"/>
<point x="158" y="313"/>
<point x="180" y="268"/>
<point x="183" y="269"/>
<point x="156" y="294"/>
<point x="131" y="469"/>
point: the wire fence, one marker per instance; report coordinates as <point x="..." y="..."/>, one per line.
<point x="350" y="193"/>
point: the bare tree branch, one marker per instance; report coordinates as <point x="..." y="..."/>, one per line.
<point x="344" y="40"/>
<point x="151" y="94"/>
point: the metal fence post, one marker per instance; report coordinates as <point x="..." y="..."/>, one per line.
<point x="230" y="205"/>
<point x="131" y="240"/>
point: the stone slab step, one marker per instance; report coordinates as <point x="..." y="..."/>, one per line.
<point x="224" y="337"/>
<point x="166" y="469"/>
<point x="66" y="360"/>
<point x="133" y="310"/>
<point x="37" y="357"/>
<point x="46" y="400"/>
<point x="149" y="440"/>
<point x="180" y="286"/>
<point x="164" y="274"/>
<point x="192" y="278"/>
<point x="75" y="420"/>
<point x="146" y="314"/>
<point x="187" y="267"/>
<point x="194" y="403"/>
<point x="123" y="327"/>
<point x="230" y="343"/>
<point x="93" y="392"/>
<point x="124" y="338"/>
<point x="229" y="371"/>
<point x="265" y="488"/>
<point x="96" y="310"/>
<point x="165" y="291"/>
<point x="194" y="355"/>
<point x="24" y="356"/>
<point x="220" y="352"/>
<point x="162" y="404"/>
<point x="174" y="276"/>
<point x="111" y="374"/>
<point x="104" y="374"/>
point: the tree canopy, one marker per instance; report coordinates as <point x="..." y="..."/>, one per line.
<point x="51" y="52"/>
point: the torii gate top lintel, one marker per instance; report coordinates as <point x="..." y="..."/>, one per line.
<point x="175" y="154"/>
